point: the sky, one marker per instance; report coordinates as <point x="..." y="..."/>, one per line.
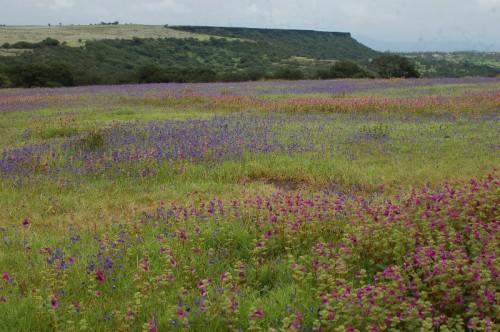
<point x="395" y="25"/>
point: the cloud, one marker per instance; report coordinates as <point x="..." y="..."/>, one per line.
<point x="60" y="4"/>
<point x="164" y="5"/>
<point x="254" y="9"/>
<point x="489" y="4"/>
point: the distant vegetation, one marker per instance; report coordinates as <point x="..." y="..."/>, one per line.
<point x="212" y="54"/>
<point x="456" y="64"/>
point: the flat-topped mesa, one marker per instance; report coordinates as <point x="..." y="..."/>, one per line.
<point x="240" y="30"/>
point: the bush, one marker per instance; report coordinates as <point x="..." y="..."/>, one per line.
<point x="288" y="74"/>
<point x="344" y="69"/>
<point x="29" y="75"/>
<point x="152" y="74"/>
<point x="5" y="81"/>
<point x="388" y="66"/>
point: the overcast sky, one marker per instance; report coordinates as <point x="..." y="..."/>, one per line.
<point x="472" y="24"/>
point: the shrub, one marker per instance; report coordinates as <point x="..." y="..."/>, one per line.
<point x="388" y="66"/>
<point x="288" y="74"/>
<point x="344" y="69"/>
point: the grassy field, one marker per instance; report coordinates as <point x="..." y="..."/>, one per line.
<point x="310" y="205"/>
<point x="78" y="34"/>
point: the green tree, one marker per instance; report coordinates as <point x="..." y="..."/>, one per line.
<point x="288" y="73"/>
<point x="5" y="81"/>
<point x="343" y="69"/>
<point x="49" y="42"/>
<point x="35" y="74"/>
<point x="152" y="74"/>
<point x="394" y="66"/>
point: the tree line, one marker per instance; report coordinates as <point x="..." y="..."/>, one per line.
<point x="51" y="64"/>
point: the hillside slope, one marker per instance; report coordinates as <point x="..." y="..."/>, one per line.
<point x="306" y="43"/>
<point x="182" y="54"/>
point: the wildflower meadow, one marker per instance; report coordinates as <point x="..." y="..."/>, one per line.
<point x="345" y="205"/>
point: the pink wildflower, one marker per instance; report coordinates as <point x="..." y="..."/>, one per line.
<point x="7" y="277"/>
<point x="234" y="304"/>
<point x="145" y="263"/>
<point x="99" y="276"/>
<point x="256" y="314"/>
<point x="181" y="313"/>
<point x="489" y="295"/>
<point x="182" y="234"/>
<point x="202" y="288"/>
<point x="223" y="276"/>
<point x="152" y="326"/>
<point x="53" y="301"/>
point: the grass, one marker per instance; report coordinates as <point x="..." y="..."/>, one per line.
<point x="258" y="215"/>
<point x="76" y="35"/>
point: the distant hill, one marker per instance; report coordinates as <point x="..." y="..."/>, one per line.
<point x="420" y="45"/>
<point x="113" y="54"/>
<point x="305" y="43"/>
<point x="456" y="64"/>
<point x="117" y="54"/>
